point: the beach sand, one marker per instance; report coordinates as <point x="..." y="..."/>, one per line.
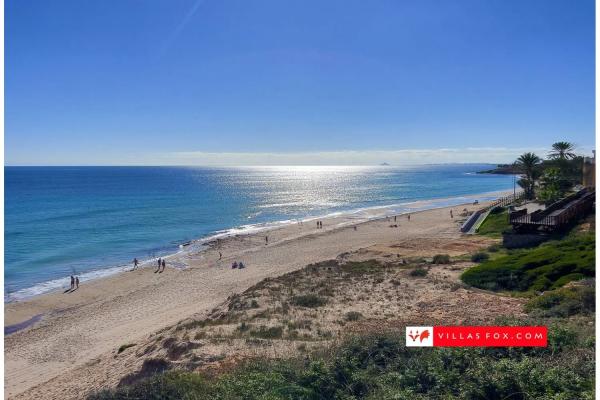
<point x="83" y="328"/>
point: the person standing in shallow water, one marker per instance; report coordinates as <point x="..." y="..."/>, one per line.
<point x="135" y="263"/>
<point x="72" y="282"/>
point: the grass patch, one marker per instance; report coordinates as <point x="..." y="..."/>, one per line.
<point x="308" y="301"/>
<point x="441" y="259"/>
<point x="495" y="224"/>
<point x="548" y="266"/>
<point x="353" y="316"/>
<point x="125" y="347"/>
<point x="418" y="272"/>
<point x="263" y="332"/>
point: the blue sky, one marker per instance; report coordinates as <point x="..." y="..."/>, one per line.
<point x="208" y="82"/>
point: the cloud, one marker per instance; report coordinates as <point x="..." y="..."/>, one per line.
<point x="490" y="155"/>
<point x="354" y="157"/>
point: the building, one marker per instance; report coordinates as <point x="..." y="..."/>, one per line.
<point x="589" y="171"/>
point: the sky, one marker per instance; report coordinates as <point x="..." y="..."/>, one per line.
<point x="189" y="82"/>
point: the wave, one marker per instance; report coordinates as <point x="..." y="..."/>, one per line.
<point x="353" y="216"/>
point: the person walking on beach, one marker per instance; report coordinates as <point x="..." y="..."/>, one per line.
<point x="159" y="264"/>
<point x="72" y="282"/>
<point x="394" y="218"/>
<point x="408" y="216"/>
<point x="451" y="215"/>
<point x="164" y="264"/>
<point x="135" y="263"/>
<point x="220" y="255"/>
<point x="266" y="240"/>
<point x="77" y="282"/>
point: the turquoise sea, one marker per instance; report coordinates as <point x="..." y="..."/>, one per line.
<point x="92" y="221"/>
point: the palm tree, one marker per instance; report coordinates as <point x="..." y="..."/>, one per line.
<point x="562" y="151"/>
<point x="528" y="164"/>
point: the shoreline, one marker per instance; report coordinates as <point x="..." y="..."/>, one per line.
<point x="363" y="214"/>
<point x="79" y="328"/>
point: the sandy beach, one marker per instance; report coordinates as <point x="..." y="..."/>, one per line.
<point x="74" y="332"/>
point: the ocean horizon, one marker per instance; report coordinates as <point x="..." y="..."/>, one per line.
<point x="92" y="221"/>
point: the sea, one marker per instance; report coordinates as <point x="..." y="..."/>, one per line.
<point x="92" y="221"/>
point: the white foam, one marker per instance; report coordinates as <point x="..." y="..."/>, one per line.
<point x="355" y="215"/>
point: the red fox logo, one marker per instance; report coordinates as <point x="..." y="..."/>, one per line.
<point x="423" y="335"/>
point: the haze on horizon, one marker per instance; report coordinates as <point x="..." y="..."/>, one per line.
<point x="195" y="82"/>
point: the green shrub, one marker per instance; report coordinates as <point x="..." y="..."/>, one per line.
<point x="479" y="257"/>
<point x="308" y="300"/>
<point x="441" y="259"/>
<point x="548" y="266"/>
<point x="381" y="367"/>
<point x="168" y="386"/>
<point x="418" y="272"/>
<point x="564" y="302"/>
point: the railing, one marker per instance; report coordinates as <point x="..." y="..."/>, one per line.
<point x="501" y="202"/>
<point x="569" y="208"/>
<point x="506" y="200"/>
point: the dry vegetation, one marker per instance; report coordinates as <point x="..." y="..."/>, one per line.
<point x="320" y="304"/>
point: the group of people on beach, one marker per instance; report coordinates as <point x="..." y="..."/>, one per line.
<point x="74" y="283"/>
<point x="161" y="266"/>
<point x="237" y="265"/>
<point x="319" y="224"/>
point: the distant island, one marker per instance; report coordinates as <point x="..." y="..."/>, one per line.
<point x="384" y="164"/>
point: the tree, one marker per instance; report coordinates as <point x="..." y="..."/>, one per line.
<point x="562" y="151"/>
<point x="551" y="184"/>
<point x="569" y="165"/>
<point x="528" y="164"/>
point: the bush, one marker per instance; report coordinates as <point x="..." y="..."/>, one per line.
<point x="163" y="386"/>
<point x="353" y="316"/>
<point x="548" y="266"/>
<point x="494" y="248"/>
<point x="418" y="272"/>
<point x="308" y="300"/>
<point x="479" y="257"/>
<point x="564" y="302"/>
<point x="381" y="367"/>
<point x="441" y="259"/>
